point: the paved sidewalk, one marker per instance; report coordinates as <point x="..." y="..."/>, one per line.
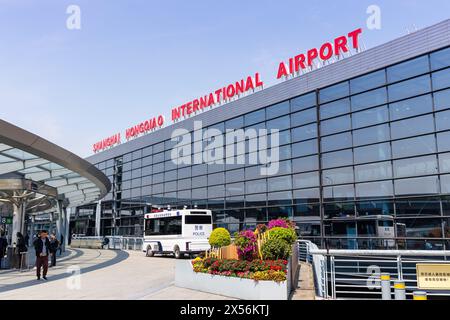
<point x="105" y="274"/>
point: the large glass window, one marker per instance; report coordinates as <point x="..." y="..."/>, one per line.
<point x="374" y="171"/>
<point x="305" y="164"/>
<point x="444" y="162"/>
<point x="255" y="117"/>
<point x="303" y="102"/>
<point x="335" y="108"/>
<point x="418" y="207"/>
<point x="279" y="183"/>
<point x="445" y="188"/>
<point x="440" y="59"/>
<point x="370" y="117"/>
<point x="335" y="125"/>
<point x="378" y="189"/>
<point x="304" y="133"/>
<point x="277" y="110"/>
<point x="441" y="79"/>
<point x="370" y="208"/>
<point x="303" y="117"/>
<point x="306" y="180"/>
<point x="415" y="166"/>
<point x="409" y="88"/>
<point x="335" y="142"/>
<point x="337" y="159"/>
<point x="371" y="135"/>
<point x="369" y="99"/>
<point x="442" y="100"/>
<point x="416" y="186"/>
<point x="304" y="148"/>
<point x="368" y="81"/>
<point x="408" y="69"/>
<point x="412" y="127"/>
<point x="443" y="120"/>
<point x="413" y="146"/>
<point x="443" y="141"/>
<point x="339" y="193"/>
<point x="372" y="153"/>
<point x="337" y="176"/>
<point x="411" y="107"/>
<point x="334" y="92"/>
<point x="279" y="123"/>
<point x="307" y="195"/>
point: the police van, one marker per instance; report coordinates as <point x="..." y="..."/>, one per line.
<point x="177" y="232"/>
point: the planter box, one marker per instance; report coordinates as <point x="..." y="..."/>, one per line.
<point x="247" y="289"/>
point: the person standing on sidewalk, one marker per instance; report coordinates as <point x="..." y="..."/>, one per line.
<point x="3" y="246"/>
<point x="54" y="244"/>
<point x="42" y="248"/>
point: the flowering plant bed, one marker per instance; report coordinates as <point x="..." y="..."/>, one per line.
<point x="274" y="270"/>
<point x="260" y="268"/>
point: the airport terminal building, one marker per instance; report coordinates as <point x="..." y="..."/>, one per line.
<point x="364" y="150"/>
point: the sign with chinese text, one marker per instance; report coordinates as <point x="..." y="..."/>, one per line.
<point x="433" y="276"/>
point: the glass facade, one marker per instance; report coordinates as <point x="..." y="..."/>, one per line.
<point x="353" y="155"/>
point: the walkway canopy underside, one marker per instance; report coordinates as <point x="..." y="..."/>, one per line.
<point x="75" y="180"/>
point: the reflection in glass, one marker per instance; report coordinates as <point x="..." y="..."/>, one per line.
<point x="335" y="108"/>
<point x="334" y="92"/>
<point x="416" y="186"/>
<point x="411" y="107"/>
<point x="415" y="166"/>
<point x="440" y="59"/>
<point x="441" y="79"/>
<point x="413" y="146"/>
<point x="377" y="152"/>
<point x="371" y="135"/>
<point x="368" y="81"/>
<point x="411" y="127"/>
<point x="408" y="69"/>
<point x="370" y="117"/>
<point x="369" y="99"/>
<point x="409" y="88"/>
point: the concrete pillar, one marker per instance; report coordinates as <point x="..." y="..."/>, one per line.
<point x="385" y="286"/>
<point x="18" y="220"/>
<point x="67" y="227"/>
<point x="400" y="290"/>
<point x="98" y="213"/>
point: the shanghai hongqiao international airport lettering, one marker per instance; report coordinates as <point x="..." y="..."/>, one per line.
<point x="302" y="62"/>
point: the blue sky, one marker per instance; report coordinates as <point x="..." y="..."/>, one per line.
<point x="135" y="59"/>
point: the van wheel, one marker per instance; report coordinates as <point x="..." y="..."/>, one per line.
<point x="177" y="252"/>
<point x="149" y="252"/>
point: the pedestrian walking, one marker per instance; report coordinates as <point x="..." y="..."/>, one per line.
<point x="61" y="244"/>
<point x="42" y="248"/>
<point x="54" y="245"/>
<point x="3" y="247"/>
<point x="21" y="249"/>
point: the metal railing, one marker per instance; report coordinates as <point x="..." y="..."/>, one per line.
<point x="125" y="243"/>
<point x="355" y="274"/>
<point x="114" y="243"/>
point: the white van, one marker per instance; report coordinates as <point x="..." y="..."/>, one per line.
<point x="177" y="231"/>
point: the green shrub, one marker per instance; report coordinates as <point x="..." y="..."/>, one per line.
<point x="276" y="248"/>
<point x="286" y="234"/>
<point x="219" y="237"/>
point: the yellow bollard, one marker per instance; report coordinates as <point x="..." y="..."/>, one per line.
<point x="419" y="295"/>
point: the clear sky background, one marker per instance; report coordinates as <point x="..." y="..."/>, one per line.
<point x="135" y="59"/>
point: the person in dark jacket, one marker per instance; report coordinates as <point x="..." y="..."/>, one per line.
<point x="61" y="244"/>
<point x="21" y="249"/>
<point x="42" y="248"/>
<point x="54" y="244"/>
<point x="3" y="247"/>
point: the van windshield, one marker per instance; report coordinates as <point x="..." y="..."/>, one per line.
<point x="163" y="226"/>
<point x="197" y="219"/>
